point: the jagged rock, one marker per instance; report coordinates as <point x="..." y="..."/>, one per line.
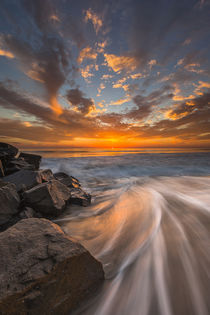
<point x="32" y="159"/>
<point x="80" y="197"/>
<point x="43" y="271"/>
<point x="8" y="150"/>
<point x="9" y="202"/>
<point x="67" y="180"/>
<point x="49" y="198"/>
<point x="26" y="179"/>
<point x="46" y="175"/>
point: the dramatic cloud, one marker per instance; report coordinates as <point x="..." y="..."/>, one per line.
<point x="87" y="72"/>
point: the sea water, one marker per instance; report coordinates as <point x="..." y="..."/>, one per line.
<point x="149" y="225"/>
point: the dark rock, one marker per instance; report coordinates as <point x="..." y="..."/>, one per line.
<point x="49" y="198"/>
<point x="8" y="150"/>
<point x="43" y="271"/>
<point x="16" y="165"/>
<point x="32" y="159"/>
<point x="9" y="202"/>
<point x="67" y="180"/>
<point x="26" y="179"/>
<point x="80" y="197"/>
<point x="1" y="169"/>
<point x="27" y="213"/>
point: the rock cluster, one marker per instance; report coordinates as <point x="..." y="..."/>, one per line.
<point x="42" y="270"/>
<point x="43" y="193"/>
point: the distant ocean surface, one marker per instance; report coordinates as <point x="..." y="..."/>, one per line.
<point x="149" y="224"/>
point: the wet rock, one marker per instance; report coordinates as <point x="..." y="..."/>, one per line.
<point x="32" y="159"/>
<point x="26" y="179"/>
<point x="67" y="180"/>
<point x="43" y="271"/>
<point x="49" y="198"/>
<point x="8" y="150"/>
<point x="9" y="202"/>
<point x="80" y="197"/>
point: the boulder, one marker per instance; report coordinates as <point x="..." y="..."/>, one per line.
<point x="32" y="159"/>
<point x="26" y="179"/>
<point x="43" y="271"/>
<point x="67" y="180"/>
<point x="9" y="202"/>
<point x="80" y="197"/>
<point x="8" y="150"/>
<point x="49" y="198"/>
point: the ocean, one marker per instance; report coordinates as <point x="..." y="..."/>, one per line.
<point x="149" y="225"/>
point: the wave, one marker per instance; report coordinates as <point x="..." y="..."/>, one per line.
<point x="152" y="237"/>
<point x="149" y="225"/>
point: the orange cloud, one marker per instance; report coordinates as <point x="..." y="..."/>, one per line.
<point x="119" y="63"/>
<point x="120" y="101"/>
<point x="152" y="63"/>
<point x="54" y="18"/>
<point x="174" y="116"/>
<point x="136" y="76"/>
<point x="87" y="53"/>
<point x="201" y="85"/>
<point x="182" y="98"/>
<point x="56" y="107"/>
<point x="95" y="19"/>
<point x="6" y="53"/>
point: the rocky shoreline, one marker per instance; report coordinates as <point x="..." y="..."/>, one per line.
<point x="42" y="270"/>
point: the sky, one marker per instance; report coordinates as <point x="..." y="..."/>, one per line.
<point x="105" y="74"/>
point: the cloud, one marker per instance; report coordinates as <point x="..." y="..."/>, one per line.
<point x="79" y="102"/>
<point x="47" y="64"/>
<point x="107" y="76"/>
<point x="95" y="19"/>
<point x="87" y="53"/>
<point x="161" y="28"/>
<point x="152" y="63"/>
<point x="120" y="63"/>
<point x="120" y="101"/>
<point x="137" y="76"/>
<point x="200" y="86"/>
<point x="7" y="54"/>
<point x="196" y="105"/>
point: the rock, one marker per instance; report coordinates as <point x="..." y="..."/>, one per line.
<point x="1" y="169"/>
<point x="8" y="150"/>
<point x="32" y="159"/>
<point x="26" y="179"/>
<point x="9" y="202"/>
<point x="16" y="165"/>
<point x="46" y="175"/>
<point x="49" y="198"/>
<point x="80" y="197"/>
<point x="43" y="271"/>
<point x="67" y="180"/>
<point x="27" y="213"/>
